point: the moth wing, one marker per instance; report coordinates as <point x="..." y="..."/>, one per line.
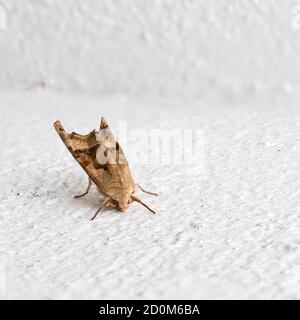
<point x="110" y="173"/>
<point x="84" y="149"/>
<point x="111" y="149"/>
<point x="117" y="164"/>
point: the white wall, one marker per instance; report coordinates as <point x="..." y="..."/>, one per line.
<point x="154" y="48"/>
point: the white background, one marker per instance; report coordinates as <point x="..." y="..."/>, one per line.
<point x="152" y="48"/>
<point x="226" y="227"/>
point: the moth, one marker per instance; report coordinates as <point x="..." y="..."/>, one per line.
<point x="102" y="158"/>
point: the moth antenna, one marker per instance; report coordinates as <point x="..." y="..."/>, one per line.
<point x="136" y="199"/>
<point x="103" y="205"/>
<point x="103" y="124"/>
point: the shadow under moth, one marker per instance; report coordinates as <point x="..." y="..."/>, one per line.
<point x="102" y="158"/>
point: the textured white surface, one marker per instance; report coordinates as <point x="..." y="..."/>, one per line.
<point x="160" y="48"/>
<point x="228" y="231"/>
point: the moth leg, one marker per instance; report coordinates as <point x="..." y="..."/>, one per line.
<point x="152" y="193"/>
<point x="136" y="199"/>
<point x="103" y="204"/>
<point x="87" y="190"/>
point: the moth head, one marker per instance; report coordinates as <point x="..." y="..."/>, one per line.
<point x="122" y="202"/>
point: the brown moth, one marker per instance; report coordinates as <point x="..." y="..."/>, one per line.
<point x="102" y="158"/>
